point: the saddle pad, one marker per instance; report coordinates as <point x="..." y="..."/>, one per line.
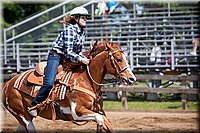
<point x="31" y="89"/>
<point x="61" y="89"/>
<point x="23" y="85"/>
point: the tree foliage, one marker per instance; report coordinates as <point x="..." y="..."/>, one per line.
<point x="15" y="12"/>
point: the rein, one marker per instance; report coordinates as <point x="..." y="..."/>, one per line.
<point x="114" y="62"/>
<point x="94" y="80"/>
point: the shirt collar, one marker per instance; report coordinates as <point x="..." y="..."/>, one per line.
<point x="78" y="29"/>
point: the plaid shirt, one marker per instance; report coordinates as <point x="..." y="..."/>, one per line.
<point x="69" y="43"/>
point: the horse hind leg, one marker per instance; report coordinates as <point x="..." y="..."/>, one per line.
<point x="27" y="125"/>
<point x="15" y="106"/>
<point x="24" y="124"/>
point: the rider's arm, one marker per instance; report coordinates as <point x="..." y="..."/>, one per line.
<point x="68" y="37"/>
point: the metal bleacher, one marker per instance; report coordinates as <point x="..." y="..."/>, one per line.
<point x="137" y="30"/>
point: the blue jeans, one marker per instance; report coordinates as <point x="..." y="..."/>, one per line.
<point x="49" y="79"/>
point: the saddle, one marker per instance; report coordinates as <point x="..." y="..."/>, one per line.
<point x="36" y="77"/>
<point x="30" y="81"/>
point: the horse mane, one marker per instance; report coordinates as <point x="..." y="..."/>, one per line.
<point x="99" y="47"/>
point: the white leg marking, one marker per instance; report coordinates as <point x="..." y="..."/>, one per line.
<point x="65" y="110"/>
<point x="29" y="125"/>
<point x="94" y="116"/>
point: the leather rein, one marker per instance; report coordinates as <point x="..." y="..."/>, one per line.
<point x="114" y="63"/>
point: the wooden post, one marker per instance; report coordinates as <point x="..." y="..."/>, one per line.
<point x="124" y="100"/>
<point x="184" y="96"/>
<point x="184" y="101"/>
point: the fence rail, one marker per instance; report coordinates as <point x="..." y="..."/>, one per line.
<point x="126" y="89"/>
<point x="158" y="90"/>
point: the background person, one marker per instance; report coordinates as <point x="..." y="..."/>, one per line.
<point x="195" y="43"/>
<point x="111" y="6"/>
<point x="101" y="8"/>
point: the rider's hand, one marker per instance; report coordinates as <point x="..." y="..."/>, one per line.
<point x="85" y="61"/>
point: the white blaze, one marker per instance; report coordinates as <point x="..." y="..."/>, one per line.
<point x="128" y="69"/>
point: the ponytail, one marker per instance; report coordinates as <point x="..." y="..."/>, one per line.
<point x="69" y="20"/>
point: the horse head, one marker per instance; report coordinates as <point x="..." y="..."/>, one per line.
<point x="116" y="63"/>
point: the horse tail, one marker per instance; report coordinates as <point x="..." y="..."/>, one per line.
<point x="2" y="105"/>
<point x="4" y="88"/>
<point x="3" y="92"/>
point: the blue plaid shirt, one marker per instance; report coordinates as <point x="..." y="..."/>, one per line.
<point x="69" y="43"/>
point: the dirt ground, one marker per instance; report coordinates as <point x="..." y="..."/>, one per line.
<point x="122" y="121"/>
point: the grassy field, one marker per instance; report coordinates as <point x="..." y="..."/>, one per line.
<point x="145" y="105"/>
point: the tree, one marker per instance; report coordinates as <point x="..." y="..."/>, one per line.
<point x="15" y="12"/>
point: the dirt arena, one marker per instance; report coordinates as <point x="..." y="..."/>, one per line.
<point x="122" y="121"/>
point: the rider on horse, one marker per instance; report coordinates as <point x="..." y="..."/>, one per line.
<point x="68" y="45"/>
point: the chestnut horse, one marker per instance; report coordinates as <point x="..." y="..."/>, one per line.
<point x="83" y="101"/>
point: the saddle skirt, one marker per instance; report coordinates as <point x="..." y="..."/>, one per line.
<point x="30" y="81"/>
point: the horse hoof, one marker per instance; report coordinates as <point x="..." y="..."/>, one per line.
<point x="99" y="129"/>
<point x="33" y="112"/>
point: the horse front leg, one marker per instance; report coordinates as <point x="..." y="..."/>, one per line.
<point x="99" y="128"/>
<point x="86" y="114"/>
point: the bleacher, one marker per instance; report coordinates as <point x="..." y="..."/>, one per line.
<point x="138" y="31"/>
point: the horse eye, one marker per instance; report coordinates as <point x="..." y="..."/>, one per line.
<point x="119" y="60"/>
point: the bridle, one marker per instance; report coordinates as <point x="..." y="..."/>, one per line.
<point x="115" y="65"/>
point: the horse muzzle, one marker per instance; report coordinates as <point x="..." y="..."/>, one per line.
<point x="132" y="80"/>
<point x="128" y="81"/>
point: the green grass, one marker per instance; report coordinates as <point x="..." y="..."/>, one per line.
<point x="145" y="105"/>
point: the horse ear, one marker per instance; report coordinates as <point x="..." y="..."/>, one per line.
<point x="93" y="45"/>
<point x="108" y="44"/>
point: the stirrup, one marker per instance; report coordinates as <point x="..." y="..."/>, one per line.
<point x="33" y="111"/>
<point x="32" y="108"/>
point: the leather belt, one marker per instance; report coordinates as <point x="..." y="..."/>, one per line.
<point x="53" y="52"/>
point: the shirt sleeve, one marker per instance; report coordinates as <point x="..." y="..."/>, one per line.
<point x="68" y="37"/>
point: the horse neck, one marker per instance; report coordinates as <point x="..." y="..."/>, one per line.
<point x="97" y="69"/>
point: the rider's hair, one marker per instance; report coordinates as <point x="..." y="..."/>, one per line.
<point x="69" y="20"/>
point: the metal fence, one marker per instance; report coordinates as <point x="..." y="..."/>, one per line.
<point x="172" y="56"/>
<point x="167" y="30"/>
